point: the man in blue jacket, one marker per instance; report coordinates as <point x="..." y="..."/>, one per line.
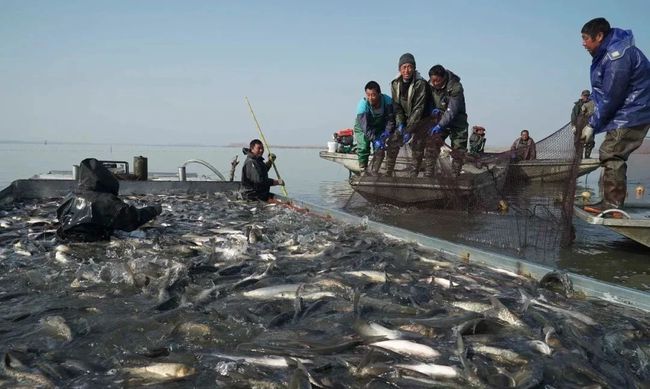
<point x="374" y="124"/>
<point x="620" y="81"/>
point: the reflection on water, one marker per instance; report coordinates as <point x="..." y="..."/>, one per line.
<point x="531" y="229"/>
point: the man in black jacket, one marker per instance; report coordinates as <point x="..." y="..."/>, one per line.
<point x="255" y="181"/>
<point x="94" y="210"/>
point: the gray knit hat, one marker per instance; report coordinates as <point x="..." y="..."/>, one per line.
<point x="585" y="92"/>
<point x="406" y="58"/>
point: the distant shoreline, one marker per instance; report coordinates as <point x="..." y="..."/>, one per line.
<point x="231" y="145"/>
<point x="644" y="149"/>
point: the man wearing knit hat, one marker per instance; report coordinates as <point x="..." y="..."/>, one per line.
<point x="412" y="101"/>
<point x="582" y="111"/>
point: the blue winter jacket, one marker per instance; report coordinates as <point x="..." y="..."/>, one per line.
<point x="620" y="78"/>
<point x="370" y="125"/>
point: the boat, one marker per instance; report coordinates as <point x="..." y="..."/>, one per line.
<point x="443" y="188"/>
<point x="554" y="162"/>
<point x="544" y="170"/>
<point x="633" y="221"/>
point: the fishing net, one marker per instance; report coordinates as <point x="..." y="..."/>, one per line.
<point x="529" y="203"/>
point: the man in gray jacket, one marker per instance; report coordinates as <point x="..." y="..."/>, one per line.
<point x="412" y="101"/>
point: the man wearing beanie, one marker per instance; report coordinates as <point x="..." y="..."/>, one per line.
<point x="580" y="114"/>
<point x="412" y="100"/>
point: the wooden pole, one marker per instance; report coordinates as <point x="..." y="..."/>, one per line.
<point x="266" y="145"/>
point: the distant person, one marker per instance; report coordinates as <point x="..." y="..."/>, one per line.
<point x="523" y="148"/>
<point x="449" y="105"/>
<point x="94" y="211"/>
<point x="255" y="181"/>
<point x="477" y="140"/>
<point x="620" y="83"/>
<point x="413" y="103"/>
<point x="374" y="124"/>
<point x="580" y="114"/>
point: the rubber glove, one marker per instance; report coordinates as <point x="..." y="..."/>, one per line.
<point x="406" y="138"/>
<point x="573" y="129"/>
<point x="435" y="130"/>
<point x="436" y="112"/>
<point x="272" y="157"/>
<point x="587" y="133"/>
<point x="378" y="144"/>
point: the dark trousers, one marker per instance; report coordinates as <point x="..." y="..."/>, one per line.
<point x="614" y="152"/>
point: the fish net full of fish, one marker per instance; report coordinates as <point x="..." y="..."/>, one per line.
<point x="220" y="292"/>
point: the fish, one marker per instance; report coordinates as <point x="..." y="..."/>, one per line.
<point x="408" y="348"/>
<point x="429" y="369"/>
<point x="285" y="291"/>
<point x="372" y="275"/>
<point x="370" y="329"/>
<point x="13" y="368"/>
<point x="161" y="371"/>
<point x="272" y="361"/>
<point x="57" y="326"/>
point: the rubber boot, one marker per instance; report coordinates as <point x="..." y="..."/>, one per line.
<point x="376" y="162"/>
<point x="588" y="149"/>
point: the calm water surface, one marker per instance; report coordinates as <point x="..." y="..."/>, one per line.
<point x="596" y="252"/>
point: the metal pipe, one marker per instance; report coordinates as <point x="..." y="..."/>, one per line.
<point x="181" y="173"/>
<point x="202" y="162"/>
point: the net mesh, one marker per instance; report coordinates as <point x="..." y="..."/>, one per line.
<point x="529" y="202"/>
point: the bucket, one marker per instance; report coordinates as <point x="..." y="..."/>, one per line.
<point x="331" y="146"/>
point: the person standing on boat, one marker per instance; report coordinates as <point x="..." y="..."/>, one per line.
<point x="255" y="181"/>
<point x="477" y="140"/>
<point x="580" y="114"/>
<point x="620" y="83"/>
<point x="523" y="148"/>
<point x="94" y="210"/>
<point x="449" y="105"/>
<point x="413" y="103"/>
<point x="374" y="124"/>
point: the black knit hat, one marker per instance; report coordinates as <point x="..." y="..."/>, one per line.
<point x="406" y="58"/>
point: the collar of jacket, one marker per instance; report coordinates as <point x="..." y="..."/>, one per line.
<point x="416" y="77"/>
<point x="251" y="156"/>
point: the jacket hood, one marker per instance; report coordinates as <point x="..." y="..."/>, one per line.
<point x="451" y="76"/>
<point x="93" y="176"/>
<point x="615" y="43"/>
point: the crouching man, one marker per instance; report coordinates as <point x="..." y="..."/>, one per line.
<point x="255" y="181"/>
<point x="94" y="210"/>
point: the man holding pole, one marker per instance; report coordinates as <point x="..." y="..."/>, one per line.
<point x="255" y="181"/>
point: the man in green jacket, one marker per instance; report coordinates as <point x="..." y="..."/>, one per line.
<point x="412" y="101"/>
<point x="374" y="124"/>
<point x="449" y="103"/>
<point x="580" y="114"/>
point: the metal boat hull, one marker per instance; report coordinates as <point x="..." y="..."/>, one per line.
<point x="430" y="191"/>
<point x="637" y="227"/>
<point x="545" y="170"/>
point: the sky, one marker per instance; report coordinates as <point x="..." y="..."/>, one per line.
<point x="178" y="72"/>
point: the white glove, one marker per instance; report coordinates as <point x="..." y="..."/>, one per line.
<point x="280" y="182"/>
<point x="587" y="133"/>
<point x="573" y="129"/>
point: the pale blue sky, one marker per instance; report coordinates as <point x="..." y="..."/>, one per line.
<point x="168" y="72"/>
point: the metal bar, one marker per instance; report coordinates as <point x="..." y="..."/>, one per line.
<point x="453" y="251"/>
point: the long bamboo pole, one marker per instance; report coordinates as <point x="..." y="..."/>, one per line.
<point x="266" y="145"/>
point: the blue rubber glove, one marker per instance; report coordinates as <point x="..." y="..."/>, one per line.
<point x="400" y="129"/>
<point x="435" y="130"/>
<point x="378" y="144"/>
<point x="436" y="112"/>
<point x="406" y="138"/>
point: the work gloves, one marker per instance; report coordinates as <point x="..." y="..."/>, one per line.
<point x="272" y="157"/>
<point x="378" y="144"/>
<point x="587" y="133"/>
<point x="406" y="137"/>
<point x="436" y="112"/>
<point x="435" y="130"/>
<point x="279" y="181"/>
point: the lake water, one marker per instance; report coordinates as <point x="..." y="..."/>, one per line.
<point x="596" y="251"/>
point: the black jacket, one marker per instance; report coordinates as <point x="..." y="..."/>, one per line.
<point x="255" y="181"/>
<point x="94" y="210"/>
